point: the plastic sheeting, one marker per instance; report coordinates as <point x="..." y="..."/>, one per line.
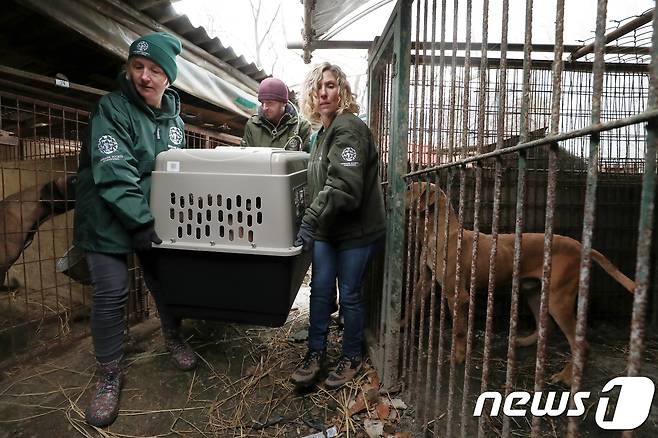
<point x="329" y="12"/>
<point x="195" y="75"/>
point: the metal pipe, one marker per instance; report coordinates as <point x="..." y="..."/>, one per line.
<point x="617" y="33"/>
<point x="578" y="359"/>
<point x="307" y="36"/>
<point x="645" y="230"/>
<point x="542" y="329"/>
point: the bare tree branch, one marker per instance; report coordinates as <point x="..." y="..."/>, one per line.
<point x="270" y="25"/>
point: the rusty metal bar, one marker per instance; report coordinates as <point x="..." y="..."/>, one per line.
<point x="432" y="298"/>
<point x="645" y="229"/>
<point x="544" y="64"/>
<point x="510" y="377"/>
<point x="442" y="64"/>
<point x="422" y="351"/>
<point x="453" y="83"/>
<point x="482" y="100"/>
<point x="444" y="294"/>
<point x="410" y="371"/>
<point x="511" y="47"/>
<point x="307" y="36"/>
<point x="579" y="349"/>
<point x="456" y="301"/>
<point x="458" y="272"/>
<point x="397" y="40"/>
<point x="621" y="31"/>
<point x="491" y="283"/>
<point x="556" y="96"/>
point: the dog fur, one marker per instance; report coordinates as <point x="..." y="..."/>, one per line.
<point x="22" y="213"/>
<point x="564" y="274"/>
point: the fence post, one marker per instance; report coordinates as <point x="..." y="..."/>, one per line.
<point x="395" y="226"/>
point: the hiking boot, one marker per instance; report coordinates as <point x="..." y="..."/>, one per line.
<point x="346" y="369"/>
<point x="104" y="406"/>
<point x="306" y="373"/>
<point x="181" y="353"/>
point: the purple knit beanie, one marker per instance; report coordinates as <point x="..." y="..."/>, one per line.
<point x="273" y="89"/>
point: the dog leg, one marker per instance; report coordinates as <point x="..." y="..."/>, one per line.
<point x="563" y="313"/>
<point x="459" y="325"/>
<point x="533" y="297"/>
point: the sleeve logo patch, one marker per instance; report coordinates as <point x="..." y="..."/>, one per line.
<point x="349" y="154"/>
<point x="176" y="135"/>
<point x="107" y="144"/>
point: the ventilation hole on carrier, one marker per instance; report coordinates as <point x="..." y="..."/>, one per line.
<point x="220" y="216"/>
<point x="189" y="214"/>
<point x="189" y="229"/>
<point x="219" y="200"/>
<point x="230" y="235"/>
<point x="180" y="232"/>
<point x="248" y="204"/>
<point x="258" y="202"/>
<point x="191" y="199"/>
<point x="208" y="215"/>
<point x="209" y="200"/>
<point x="198" y="233"/>
<point x="249" y="220"/>
<point x="172" y="214"/>
<point x="173" y="199"/>
<point x="241" y="232"/>
<point x="199" y="218"/>
<point x="230" y="219"/>
<point x="207" y="230"/>
<point x="221" y="231"/>
<point x="181" y="217"/>
<point x="239" y="217"/>
<point x="200" y="202"/>
<point x="181" y="201"/>
<point x="238" y="201"/>
<point x="259" y="218"/>
<point x="228" y="203"/>
<point x="250" y="235"/>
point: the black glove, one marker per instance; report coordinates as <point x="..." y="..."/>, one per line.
<point x="305" y="236"/>
<point x="143" y="237"/>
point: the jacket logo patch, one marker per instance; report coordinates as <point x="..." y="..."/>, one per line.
<point x="142" y="46"/>
<point x="107" y="144"/>
<point x="175" y="135"/>
<point x="349" y="154"/>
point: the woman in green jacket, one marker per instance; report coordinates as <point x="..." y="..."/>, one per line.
<point x="127" y="129"/>
<point x="344" y="224"/>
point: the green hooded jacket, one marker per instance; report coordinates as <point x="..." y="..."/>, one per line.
<point x="260" y="132"/>
<point x="347" y="203"/>
<point x="116" y="161"/>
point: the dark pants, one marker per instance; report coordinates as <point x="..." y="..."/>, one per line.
<point x="109" y="276"/>
<point x="348" y="266"/>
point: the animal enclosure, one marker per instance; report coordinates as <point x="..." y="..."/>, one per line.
<point x="556" y="139"/>
<point x="40" y="308"/>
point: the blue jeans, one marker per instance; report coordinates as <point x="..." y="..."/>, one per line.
<point x="348" y="266"/>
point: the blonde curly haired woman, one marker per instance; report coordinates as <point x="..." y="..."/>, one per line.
<point x="344" y="223"/>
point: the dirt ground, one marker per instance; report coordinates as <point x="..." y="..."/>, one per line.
<point x="240" y="389"/>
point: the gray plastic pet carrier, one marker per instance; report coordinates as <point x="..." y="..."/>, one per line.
<point x="228" y="218"/>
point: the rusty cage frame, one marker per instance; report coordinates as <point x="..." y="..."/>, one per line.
<point x="424" y="115"/>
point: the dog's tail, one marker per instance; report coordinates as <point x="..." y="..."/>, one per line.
<point x="614" y="272"/>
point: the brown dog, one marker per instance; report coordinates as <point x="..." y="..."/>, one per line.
<point x="21" y="214"/>
<point x="564" y="273"/>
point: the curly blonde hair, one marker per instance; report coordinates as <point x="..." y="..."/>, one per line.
<point x="309" y="98"/>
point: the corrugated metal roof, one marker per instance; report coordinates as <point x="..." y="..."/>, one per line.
<point x="164" y="13"/>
